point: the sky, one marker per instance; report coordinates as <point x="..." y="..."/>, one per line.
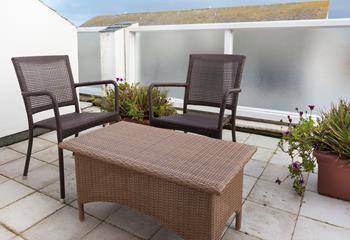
<point x="79" y="11"/>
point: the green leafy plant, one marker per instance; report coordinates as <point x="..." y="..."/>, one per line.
<point x="333" y="131"/>
<point x="330" y="133"/>
<point x="299" y="139"/>
<point x="133" y="101"/>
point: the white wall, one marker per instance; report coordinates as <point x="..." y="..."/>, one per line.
<point x="28" y="27"/>
<point x="112" y="54"/>
<point x="101" y="56"/>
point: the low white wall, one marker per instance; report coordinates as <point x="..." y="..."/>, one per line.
<point x="101" y="56"/>
<point x="27" y="28"/>
<point x="112" y="54"/>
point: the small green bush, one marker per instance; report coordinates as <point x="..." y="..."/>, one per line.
<point x="329" y="133"/>
<point x="333" y="131"/>
<point x="133" y="101"/>
<point x="300" y="144"/>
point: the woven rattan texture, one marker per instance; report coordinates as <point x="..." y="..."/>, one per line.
<point x="46" y="74"/>
<point x="76" y="122"/>
<point x="200" y="120"/>
<point x="210" y="76"/>
<point x="193" y="214"/>
<point x="199" y="162"/>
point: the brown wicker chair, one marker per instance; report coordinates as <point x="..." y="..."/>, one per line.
<point x="212" y="80"/>
<point x="47" y="83"/>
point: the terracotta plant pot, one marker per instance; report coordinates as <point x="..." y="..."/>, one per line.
<point x="333" y="176"/>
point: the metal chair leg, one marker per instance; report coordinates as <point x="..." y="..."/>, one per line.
<point x="233" y="129"/>
<point x="61" y="172"/>
<point x="29" y="152"/>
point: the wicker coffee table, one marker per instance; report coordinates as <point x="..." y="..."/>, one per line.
<point x="190" y="183"/>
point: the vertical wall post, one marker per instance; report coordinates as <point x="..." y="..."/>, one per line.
<point x="228" y="41"/>
<point x="131" y="56"/>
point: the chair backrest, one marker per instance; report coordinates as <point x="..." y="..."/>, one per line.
<point x="210" y="75"/>
<point x="46" y="73"/>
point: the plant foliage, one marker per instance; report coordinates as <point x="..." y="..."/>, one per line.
<point x="333" y="131"/>
<point x="330" y="133"/>
<point x="133" y="101"/>
<point x="299" y="141"/>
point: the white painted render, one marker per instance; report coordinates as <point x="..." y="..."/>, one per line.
<point x="29" y="28"/>
<point x="112" y="54"/>
<point x="102" y="56"/>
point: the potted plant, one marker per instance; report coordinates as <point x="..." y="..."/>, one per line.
<point x="133" y="105"/>
<point x="326" y="140"/>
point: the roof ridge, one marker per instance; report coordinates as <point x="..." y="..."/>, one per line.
<point x="212" y="8"/>
<point x="319" y="10"/>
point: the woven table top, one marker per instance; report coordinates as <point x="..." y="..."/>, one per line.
<point x="197" y="161"/>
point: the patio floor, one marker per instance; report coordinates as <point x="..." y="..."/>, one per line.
<point x="29" y="209"/>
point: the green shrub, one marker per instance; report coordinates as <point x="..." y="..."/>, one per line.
<point x="300" y="142"/>
<point x="333" y="131"/>
<point x="330" y="133"/>
<point x="133" y="101"/>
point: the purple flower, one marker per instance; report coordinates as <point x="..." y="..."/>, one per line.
<point x="312" y="107"/>
<point x="301" y="113"/>
<point x="286" y="132"/>
<point x="301" y="181"/>
<point x="278" y="181"/>
<point x="296" y="165"/>
<point x="316" y="145"/>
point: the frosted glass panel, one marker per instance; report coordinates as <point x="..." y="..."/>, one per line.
<point x="294" y="67"/>
<point x="164" y="56"/>
<point x="285" y="68"/>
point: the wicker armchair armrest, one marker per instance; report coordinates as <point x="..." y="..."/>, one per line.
<point x="104" y="82"/>
<point x="54" y="106"/>
<point x="153" y="85"/>
<point x="232" y="91"/>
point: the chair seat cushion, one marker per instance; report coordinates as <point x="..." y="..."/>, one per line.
<point x="72" y="123"/>
<point x="207" y="121"/>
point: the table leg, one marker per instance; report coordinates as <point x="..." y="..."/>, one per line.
<point x="81" y="211"/>
<point x="238" y="220"/>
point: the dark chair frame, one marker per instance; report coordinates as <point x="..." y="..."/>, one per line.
<point x="214" y="133"/>
<point x="55" y="107"/>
